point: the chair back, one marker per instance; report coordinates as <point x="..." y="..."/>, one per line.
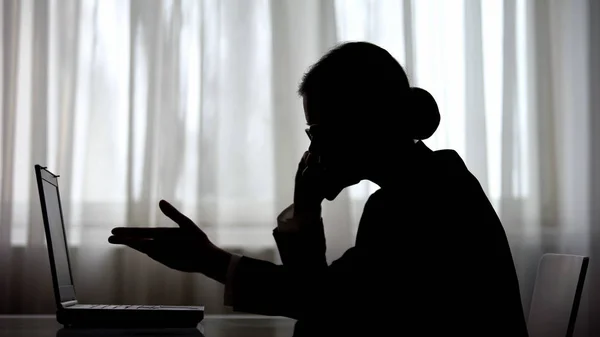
<point x="556" y="295"/>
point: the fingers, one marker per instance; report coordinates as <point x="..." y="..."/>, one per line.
<point x="304" y="157"/>
<point x="119" y="240"/>
<point x="313" y="168"/>
<point x="157" y="247"/>
<point x="179" y="218"/>
<point x="313" y="159"/>
<point x="141" y="245"/>
<point x="302" y="163"/>
<point x="134" y="232"/>
<point x="142" y="238"/>
<point x="132" y="236"/>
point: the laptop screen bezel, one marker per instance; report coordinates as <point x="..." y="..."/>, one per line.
<point x="62" y="293"/>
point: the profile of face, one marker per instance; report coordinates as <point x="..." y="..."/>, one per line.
<point x="338" y="151"/>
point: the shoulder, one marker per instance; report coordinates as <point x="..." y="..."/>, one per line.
<point x="449" y="159"/>
<point x="449" y="176"/>
<point x="375" y="199"/>
<point x="454" y="175"/>
<point x="449" y="165"/>
<point x="376" y="204"/>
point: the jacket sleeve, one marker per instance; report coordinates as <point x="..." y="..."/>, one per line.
<point x="302" y="249"/>
<point x="304" y="284"/>
<point x="261" y="287"/>
<point x="301" y="246"/>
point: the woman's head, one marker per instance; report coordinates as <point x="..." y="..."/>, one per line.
<point x="358" y="102"/>
<point x="361" y="84"/>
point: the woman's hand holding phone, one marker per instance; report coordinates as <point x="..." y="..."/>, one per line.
<point x="308" y="190"/>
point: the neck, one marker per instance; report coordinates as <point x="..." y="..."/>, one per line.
<point x="392" y="168"/>
<point x="391" y="175"/>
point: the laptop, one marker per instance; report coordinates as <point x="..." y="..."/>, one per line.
<point x="70" y="312"/>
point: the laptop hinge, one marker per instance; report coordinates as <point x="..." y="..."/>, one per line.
<point x="68" y="303"/>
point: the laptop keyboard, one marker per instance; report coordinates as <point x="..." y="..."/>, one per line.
<point x="129" y="307"/>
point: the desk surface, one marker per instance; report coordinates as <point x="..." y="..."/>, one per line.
<point x="211" y="326"/>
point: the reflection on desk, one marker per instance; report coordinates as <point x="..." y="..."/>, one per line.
<point x="211" y="326"/>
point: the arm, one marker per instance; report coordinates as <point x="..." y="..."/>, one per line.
<point x="304" y="279"/>
<point x="300" y="240"/>
<point x="301" y="245"/>
<point x="261" y="287"/>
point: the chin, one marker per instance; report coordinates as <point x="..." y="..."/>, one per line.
<point x="331" y="192"/>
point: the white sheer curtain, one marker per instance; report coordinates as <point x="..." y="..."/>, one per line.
<point x="131" y="101"/>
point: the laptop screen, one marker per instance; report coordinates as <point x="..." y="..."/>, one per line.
<point x="55" y="228"/>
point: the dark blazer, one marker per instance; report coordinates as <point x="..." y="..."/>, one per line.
<point x="430" y="258"/>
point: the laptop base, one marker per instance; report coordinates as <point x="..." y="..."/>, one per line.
<point x="101" y="332"/>
<point x="129" y="319"/>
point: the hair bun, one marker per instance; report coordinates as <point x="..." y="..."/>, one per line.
<point x="425" y="115"/>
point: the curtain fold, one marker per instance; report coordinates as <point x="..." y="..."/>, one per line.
<point x="10" y="63"/>
<point x="476" y="138"/>
<point x="591" y="295"/>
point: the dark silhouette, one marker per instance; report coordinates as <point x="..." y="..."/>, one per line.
<point x="431" y="256"/>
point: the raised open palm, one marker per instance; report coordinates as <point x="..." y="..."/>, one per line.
<point x="185" y="248"/>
